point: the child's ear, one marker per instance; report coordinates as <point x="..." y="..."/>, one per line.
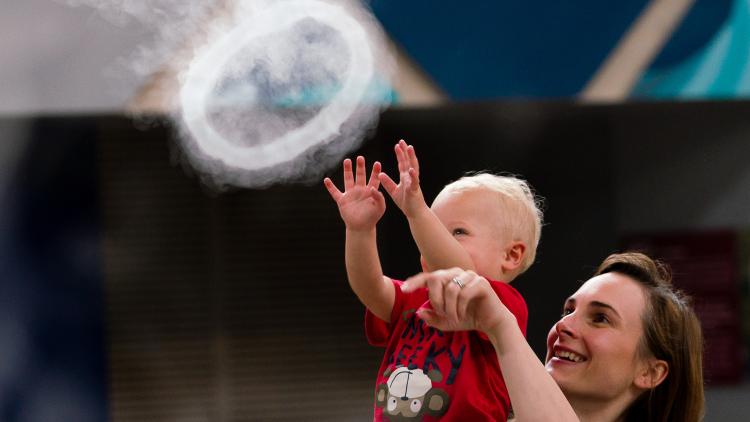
<point x="513" y="256"/>
<point x="652" y="374"/>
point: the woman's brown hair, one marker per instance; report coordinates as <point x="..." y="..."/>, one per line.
<point x="672" y="333"/>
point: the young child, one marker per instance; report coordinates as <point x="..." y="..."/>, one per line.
<point x="485" y="223"/>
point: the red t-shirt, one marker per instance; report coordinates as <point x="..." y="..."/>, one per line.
<point x="430" y="375"/>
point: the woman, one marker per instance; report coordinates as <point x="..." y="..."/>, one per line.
<point x="627" y="348"/>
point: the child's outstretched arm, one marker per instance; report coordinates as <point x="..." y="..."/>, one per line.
<point x="436" y="244"/>
<point x="361" y="205"/>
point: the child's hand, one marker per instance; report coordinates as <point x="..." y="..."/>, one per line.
<point x="360" y="205"/>
<point x="407" y="194"/>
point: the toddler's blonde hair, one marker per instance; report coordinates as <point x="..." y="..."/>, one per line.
<point x="523" y="218"/>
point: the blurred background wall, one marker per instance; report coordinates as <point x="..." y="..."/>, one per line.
<point x="131" y="292"/>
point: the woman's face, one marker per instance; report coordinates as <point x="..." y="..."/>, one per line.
<point x="592" y="351"/>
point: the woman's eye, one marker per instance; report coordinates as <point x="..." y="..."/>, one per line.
<point x="458" y="231"/>
<point x="601" y="318"/>
<point x="566" y="311"/>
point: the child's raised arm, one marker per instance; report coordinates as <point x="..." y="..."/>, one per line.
<point x="437" y="245"/>
<point x="361" y="205"/>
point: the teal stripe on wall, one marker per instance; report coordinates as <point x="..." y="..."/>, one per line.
<point x="720" y="70"/>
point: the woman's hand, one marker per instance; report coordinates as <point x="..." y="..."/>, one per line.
<point x="460" y="301"/>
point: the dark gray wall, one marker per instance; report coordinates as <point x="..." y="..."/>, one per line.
<point x="235" y="306"/>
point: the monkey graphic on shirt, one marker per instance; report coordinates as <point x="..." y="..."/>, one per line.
<point x="408" y="394"/>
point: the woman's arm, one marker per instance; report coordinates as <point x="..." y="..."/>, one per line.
<point x="533" y="392"/>
<point x="462" y="300"/>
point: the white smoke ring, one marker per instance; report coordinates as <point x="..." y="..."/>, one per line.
<point x="206" y="69"/>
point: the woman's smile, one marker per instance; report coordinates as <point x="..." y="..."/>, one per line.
<point x="562" y="354"/>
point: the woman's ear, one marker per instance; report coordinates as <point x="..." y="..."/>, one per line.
<point x="513" y="256"/>
<point x="653" y="373"/>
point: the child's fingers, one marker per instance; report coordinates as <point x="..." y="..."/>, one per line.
<point x="374" y="179"/>
<point x="348" y="175"/>
<point x="388" y="184"/>
<point x="332" y="189"/>
<point x="378" y="196"/>
<point x="413" y="179"/>
<point x="406" y="181"/>
<point x="361" y="168"/>
<point x="413" y="162"/>
<point x="401" y="158"/>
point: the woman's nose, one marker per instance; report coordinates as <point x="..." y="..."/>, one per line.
<point x="566" y="326"/>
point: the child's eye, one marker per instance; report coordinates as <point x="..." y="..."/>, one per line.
<point x="458" y="231"/>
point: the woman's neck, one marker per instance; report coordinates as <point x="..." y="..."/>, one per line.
<point x="589" y="410"/>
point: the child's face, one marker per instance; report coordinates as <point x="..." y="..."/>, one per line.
<point x="472" y="217"/>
